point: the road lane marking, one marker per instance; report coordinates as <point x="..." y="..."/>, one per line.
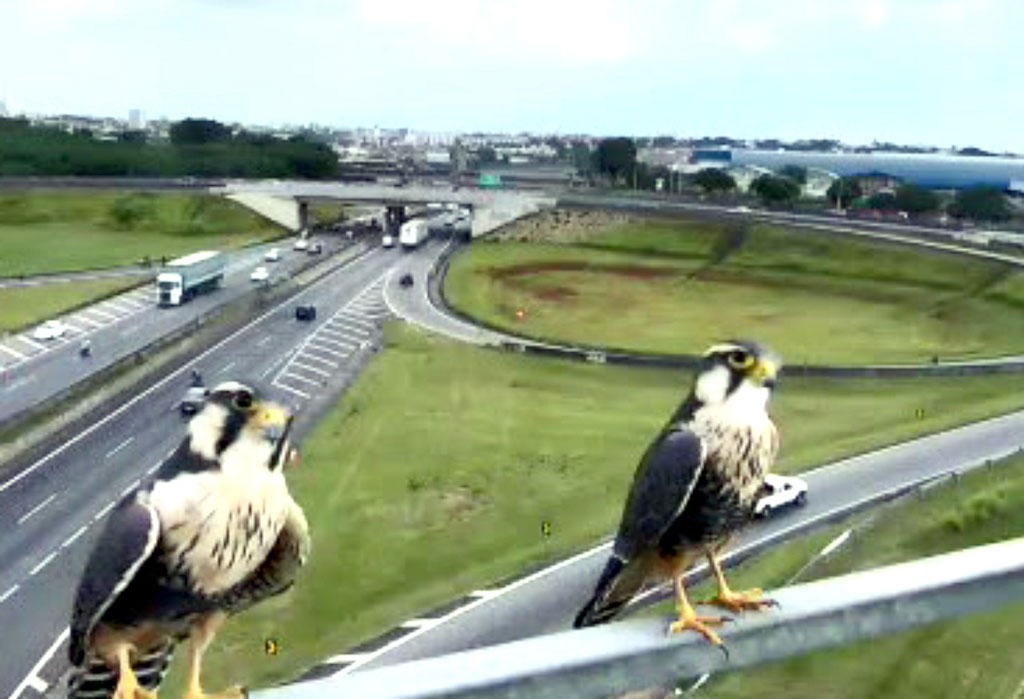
<point x="37" y="683"/>
<point x="72" y="326"/>
<point x="331" y="332"/>
<point x="102" y="314"/>
<point x="131" y="302"/>
<point x="43" y="659"/>
<point x="326" y="279"/>
<point x="326" y="350"/>
<point x="352" y="328"/>
<point x="310" y="356"/>
<point x="264" y="341"/>
<point x="12" y="352"/>
<point x="309" y="368"/>
<point x="301" y="378"/>
<point x="293" y="390"/>
<point x="226" y="367"/>
<point x="358" y="319"/>
<point x="71" y="539"/>
<point x="155" y="466"/>
<point x="119" y="447"/>
<point x="80" y="318"/>
<point x="35" y="509"/>
<point x="127" y="310"/>
<point x="30" y="343"/>
<point x="132" y="486"/>
<point x="10" y="591"/>
<point x="99" y="515"/>
<point x="339" y="343"/>
<point x="43" y="563"/>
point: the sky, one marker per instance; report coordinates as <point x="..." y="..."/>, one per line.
<point x="923" y="72"/>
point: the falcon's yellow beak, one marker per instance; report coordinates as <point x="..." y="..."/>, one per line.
<point x="764" y="372"/>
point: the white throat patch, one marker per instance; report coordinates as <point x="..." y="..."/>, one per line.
<point x="746" y="399"/>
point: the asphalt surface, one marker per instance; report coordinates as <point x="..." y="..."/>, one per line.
<point x="32" y="371"/>
<point x="55" y="508"/>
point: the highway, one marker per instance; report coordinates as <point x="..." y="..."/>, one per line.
<point x="32" y="371"/>
<point x="54" y="508"/>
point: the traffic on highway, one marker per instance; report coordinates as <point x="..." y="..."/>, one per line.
<point x="306" y="349"/>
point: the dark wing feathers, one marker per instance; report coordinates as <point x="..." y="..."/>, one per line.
<point x="661" y="487"/>
<point x="663" y="482"/>
<point x="130" y="535"/>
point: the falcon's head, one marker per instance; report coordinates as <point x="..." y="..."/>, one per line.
<point x="241" y="431"/>
<point x="737" y="373"/>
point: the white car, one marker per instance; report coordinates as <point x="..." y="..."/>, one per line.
<point x="50" y="330"/>
<point x="388" y="241"/>
<point x="780" y="491"/>
<point x="260" y="274"/>
<point x="272" y="255"/>
<point x="301" y="244"/>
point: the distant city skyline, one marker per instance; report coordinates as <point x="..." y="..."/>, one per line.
<point x="914" y="72"/>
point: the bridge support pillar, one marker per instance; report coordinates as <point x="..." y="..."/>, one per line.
<point x="303" y="217"/>
<point x="394" y="217"/>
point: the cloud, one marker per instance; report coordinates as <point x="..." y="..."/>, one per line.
<point x="577" y="31"/>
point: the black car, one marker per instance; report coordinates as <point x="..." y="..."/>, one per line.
<point x="305" y="313"/>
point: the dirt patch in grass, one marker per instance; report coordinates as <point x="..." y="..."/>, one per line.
<point x="633" y="271"/>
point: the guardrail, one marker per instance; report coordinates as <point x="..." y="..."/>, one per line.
<point x="637" y="654"/>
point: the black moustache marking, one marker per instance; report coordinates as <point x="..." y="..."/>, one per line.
<point x="281" y="442"/>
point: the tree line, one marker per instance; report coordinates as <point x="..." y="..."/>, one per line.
<point x="197" y="148"/>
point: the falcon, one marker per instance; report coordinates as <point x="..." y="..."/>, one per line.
<point x="212" y="534"/>
<point x="695" y="486"/>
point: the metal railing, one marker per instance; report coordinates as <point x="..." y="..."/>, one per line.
<point x="638" y="653"/>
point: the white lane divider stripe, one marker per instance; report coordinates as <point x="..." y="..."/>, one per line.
<point x="36" y="509"/>
<point x="71" y="539"/>
<point x="43" y="563"/>
<point x="119" y="447"/>
<point x="99" y="515"/>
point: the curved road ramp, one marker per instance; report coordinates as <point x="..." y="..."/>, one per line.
<point x="639" y="654"/>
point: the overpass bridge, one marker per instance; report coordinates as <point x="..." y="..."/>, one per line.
<point x="491" y="208"/>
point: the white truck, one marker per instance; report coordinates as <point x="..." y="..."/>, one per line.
<point x="413" y="233"/>
<point x="187" y="276"/>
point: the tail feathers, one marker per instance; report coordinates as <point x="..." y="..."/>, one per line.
<point x="618" y="584"/>
<point x="96" y="680"/>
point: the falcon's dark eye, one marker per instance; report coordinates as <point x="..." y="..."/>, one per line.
<point x="740" y="359"/>
<point x="243" y="400"/>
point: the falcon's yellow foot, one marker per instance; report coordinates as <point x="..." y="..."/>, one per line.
<point x="740" y="601"/>
<point x="128" y="688"/>
<point x="689" y="621"/>
<point x="127" y="683"/>
<point x="231" y="693"/>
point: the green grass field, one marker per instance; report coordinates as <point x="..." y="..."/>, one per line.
<point x="433" y="477"/>
<point x="675" y="287"/>
<point x="25" y="306"/>
<point x="53" y="231"/>
<point x="970" y="657"/>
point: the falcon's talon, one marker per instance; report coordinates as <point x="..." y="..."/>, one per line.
<point x="751" y="600"/>
<point x="698" y="624"/>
